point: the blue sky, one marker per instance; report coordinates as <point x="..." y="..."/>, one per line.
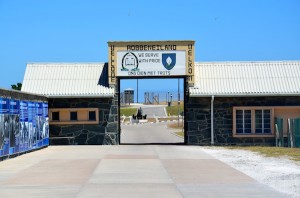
<point x="159" y="87"/>
<point x="78" y="30"/>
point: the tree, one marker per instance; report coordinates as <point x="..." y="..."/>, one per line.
<point x="18" y="86"/>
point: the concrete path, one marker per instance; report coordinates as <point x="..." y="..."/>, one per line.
<point x="149" y="133"/>
<point x="125" y="171"/>
<point x="154" y="110"/>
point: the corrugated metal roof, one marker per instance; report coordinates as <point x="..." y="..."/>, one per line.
<point x="65" y="80"/>
<point x="267" y="78"/>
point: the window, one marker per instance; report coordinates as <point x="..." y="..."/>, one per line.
<point x="252" y="121"/>
<point x="262" y="121"/>
<point x="243" y="121"/>
<point x="92" y="115"/>
<point x="55" y="116"/>
<point x="73" y="116"/>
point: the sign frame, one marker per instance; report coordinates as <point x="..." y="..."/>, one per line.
<point x="146" y="46"/>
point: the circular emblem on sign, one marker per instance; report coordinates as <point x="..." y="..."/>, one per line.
<point x="130" y="62"/>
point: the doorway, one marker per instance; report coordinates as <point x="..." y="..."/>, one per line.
<point x="152" y="110"/>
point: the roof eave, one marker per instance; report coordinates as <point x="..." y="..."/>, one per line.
<point x="245" y="95"/>
<point x="81" y="96"/>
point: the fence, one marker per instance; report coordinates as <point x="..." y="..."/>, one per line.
<point x="294" y="132"/>
<point x="154" y="97"/>
<point x="23" y="123"/>
<point x="161" y="97"/>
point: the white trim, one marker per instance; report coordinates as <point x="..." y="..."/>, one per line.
<point x="244" y="95"/>
<point x="81" y="96"/>
<point x="253" y="133"/>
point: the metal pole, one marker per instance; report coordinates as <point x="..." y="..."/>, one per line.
<point x="178" y="101"/>
<point x="212" y="120"/>
<point x="128" y="93"/>
<point x="168" y="98"/>
<point x="137" y="90"/>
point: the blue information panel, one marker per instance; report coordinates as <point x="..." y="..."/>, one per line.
<point x="45" y="124"/>
<point x="31" y="139"/>
<point x="23" y="126"/>
<point x="14" y="117"/>
<point x="39" y="123"/>
<point x="4" y="131"/>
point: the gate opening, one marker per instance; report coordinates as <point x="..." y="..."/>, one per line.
<point x="151" y="110"/>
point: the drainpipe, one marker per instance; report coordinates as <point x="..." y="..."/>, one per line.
<point x="212" y="119"/>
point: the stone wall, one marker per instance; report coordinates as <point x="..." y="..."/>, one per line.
<point x="198" y="120"/>
<point x="105" y="132"/>
<point x="112" y="130"/>
<point x="18" y="95"/>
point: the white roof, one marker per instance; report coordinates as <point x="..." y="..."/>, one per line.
<point x="65" y="80"/>
<point x="268" y="78"/>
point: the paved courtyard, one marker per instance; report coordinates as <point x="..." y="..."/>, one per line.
<point x="125" y="171"/>
<point x="149" y="133"/>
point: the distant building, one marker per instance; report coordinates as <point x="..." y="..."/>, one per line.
<point x="129" y="95"/>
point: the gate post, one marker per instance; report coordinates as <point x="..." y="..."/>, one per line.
<point x="112" y="129"/>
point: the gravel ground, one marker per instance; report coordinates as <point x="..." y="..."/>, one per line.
<point x="281" y="174"/>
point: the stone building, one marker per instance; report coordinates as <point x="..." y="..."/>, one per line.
<point x="129" y="95"/>
<point x="225" y="102"/>
<point x="81" y="109"/>
<point x="245" y="98"/>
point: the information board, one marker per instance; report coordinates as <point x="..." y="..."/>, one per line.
<point x="23" y="126"/>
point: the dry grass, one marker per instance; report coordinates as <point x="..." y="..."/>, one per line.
<point x="173" y="110"/>
<point x="151" y="120"/>
<point x="175" y="125"/>
<point x="180" y="133"/>
<point x="291" y="153"/>
<point x="173" y="103"/>
<point x="128" y="111"/>
<point x="126" y="120"/>
<point x="166" y="119"/>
